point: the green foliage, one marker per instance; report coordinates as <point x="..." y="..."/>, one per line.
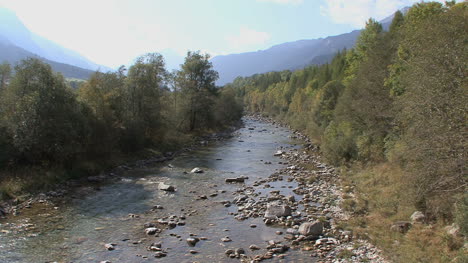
<point x="197" y="85"/>
<point x="398" y="100"/>
<point x="47" y="125"/>
<point x="42" y="115"/>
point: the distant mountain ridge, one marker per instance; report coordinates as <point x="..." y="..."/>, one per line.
<point x="15" y="37"/>
<point x="287" y="56"/>
<point x="13" y="54"/>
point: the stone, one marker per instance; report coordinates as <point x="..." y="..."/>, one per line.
<point x="240" y="179"/>
<point x="274" y="210"/>
<point x="417" y="217"/>
<point x="151" y="230"/>
<point x="291" y="199"/>
<point x="278" y="153"/>
<point x="229" y="252"/>
<point x="254" y="247"/>
<point x="196" y="170"/>
<point x="401" y="226"/>
<point x="193" y="251"/>
<point x="453" y="230"/>
<point x="226" y="239"/>
<point x="311" y="228"/>
<point x="192" y="241"/>
<point x="165" y="187"/>
<point x="240" y="251"/>
<point x="109" y="246"/>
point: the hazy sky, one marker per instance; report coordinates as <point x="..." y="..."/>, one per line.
<point x="115" y="32"/>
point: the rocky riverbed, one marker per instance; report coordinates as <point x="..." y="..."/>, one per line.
<point x="248" y="198"/>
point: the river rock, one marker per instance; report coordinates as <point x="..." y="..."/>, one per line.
<point x="226" y="239"/>
<point x="240" y="179"/>
<point x="417" y="217"/>
<point x="109" y="246"/>
<point x="274" y="210"/>
<point x="165" y="187"/>
<point x="192" y="241"/>
<point x="278" y="153"/>
<point x="196" y="170"/>
<point x="151" y="230"/>
<point x="311" y="228"/>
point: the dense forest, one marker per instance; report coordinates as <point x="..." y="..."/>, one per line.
<point x="50" y="132"/>
<point x="392" y="113"/>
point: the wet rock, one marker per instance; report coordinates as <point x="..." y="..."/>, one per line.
<point x="151" y="230"/>
<point x="418" y="217"/>
<point x="226" y="239"/>
<point x="229" y="252"/>
<point x="159" y="254"/>
<point x="240" y="251"/>
<point x="193" y="251"/>
<point x="291" y="199"/>
<point x="311" y="228"/>
<point x="253" y="225"/>
<point x="164" y="187"/>
<point x="149" y="224"/>
<point x="240" y="179"/>
<point x="274" y="210"/>
<point x="278" y="153"/>
<point x="109" y="246"/>
<point x="254" y="247"/>
<point x="401" y="226"/>
<point x="196" y="170"/>
<point x="192" y="241"/>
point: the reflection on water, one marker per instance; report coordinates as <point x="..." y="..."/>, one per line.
<point x="77" y="230"/>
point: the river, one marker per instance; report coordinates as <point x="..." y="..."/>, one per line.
<point x="77" y="228"/>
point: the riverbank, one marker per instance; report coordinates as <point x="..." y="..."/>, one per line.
<point x="23" y="187"/>
<point x="375" y="209"/>
<point x="316" y="220"/>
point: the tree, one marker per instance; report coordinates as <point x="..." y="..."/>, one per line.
<point x="145" y="84"/>
<point x="432" y="111"/>
<point x="42" y="115"/>
<point x="5" y="73"/>
<point x="197" y="82"/>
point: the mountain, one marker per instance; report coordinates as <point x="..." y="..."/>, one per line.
<point x="286" y="56"/>
<point x="13" y="54"/>
<point x="12" y="29"/>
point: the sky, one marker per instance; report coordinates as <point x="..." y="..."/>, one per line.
<point x="115" y="32"/>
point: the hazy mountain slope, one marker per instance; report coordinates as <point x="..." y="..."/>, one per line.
<point x="287" y="56"/>
<point x="13" y="54"/>
<point x="19" y="35"/>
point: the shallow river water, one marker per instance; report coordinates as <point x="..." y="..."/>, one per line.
<point x="76" y="228"/>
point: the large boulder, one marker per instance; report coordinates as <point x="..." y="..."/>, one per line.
<point x="418" y="217"/>
<point x="311" y="228"/>
<point x="275" y="210"/>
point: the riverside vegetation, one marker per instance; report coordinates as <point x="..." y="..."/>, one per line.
<point x="50" y="133"/>
<point x="391" y="112"/>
